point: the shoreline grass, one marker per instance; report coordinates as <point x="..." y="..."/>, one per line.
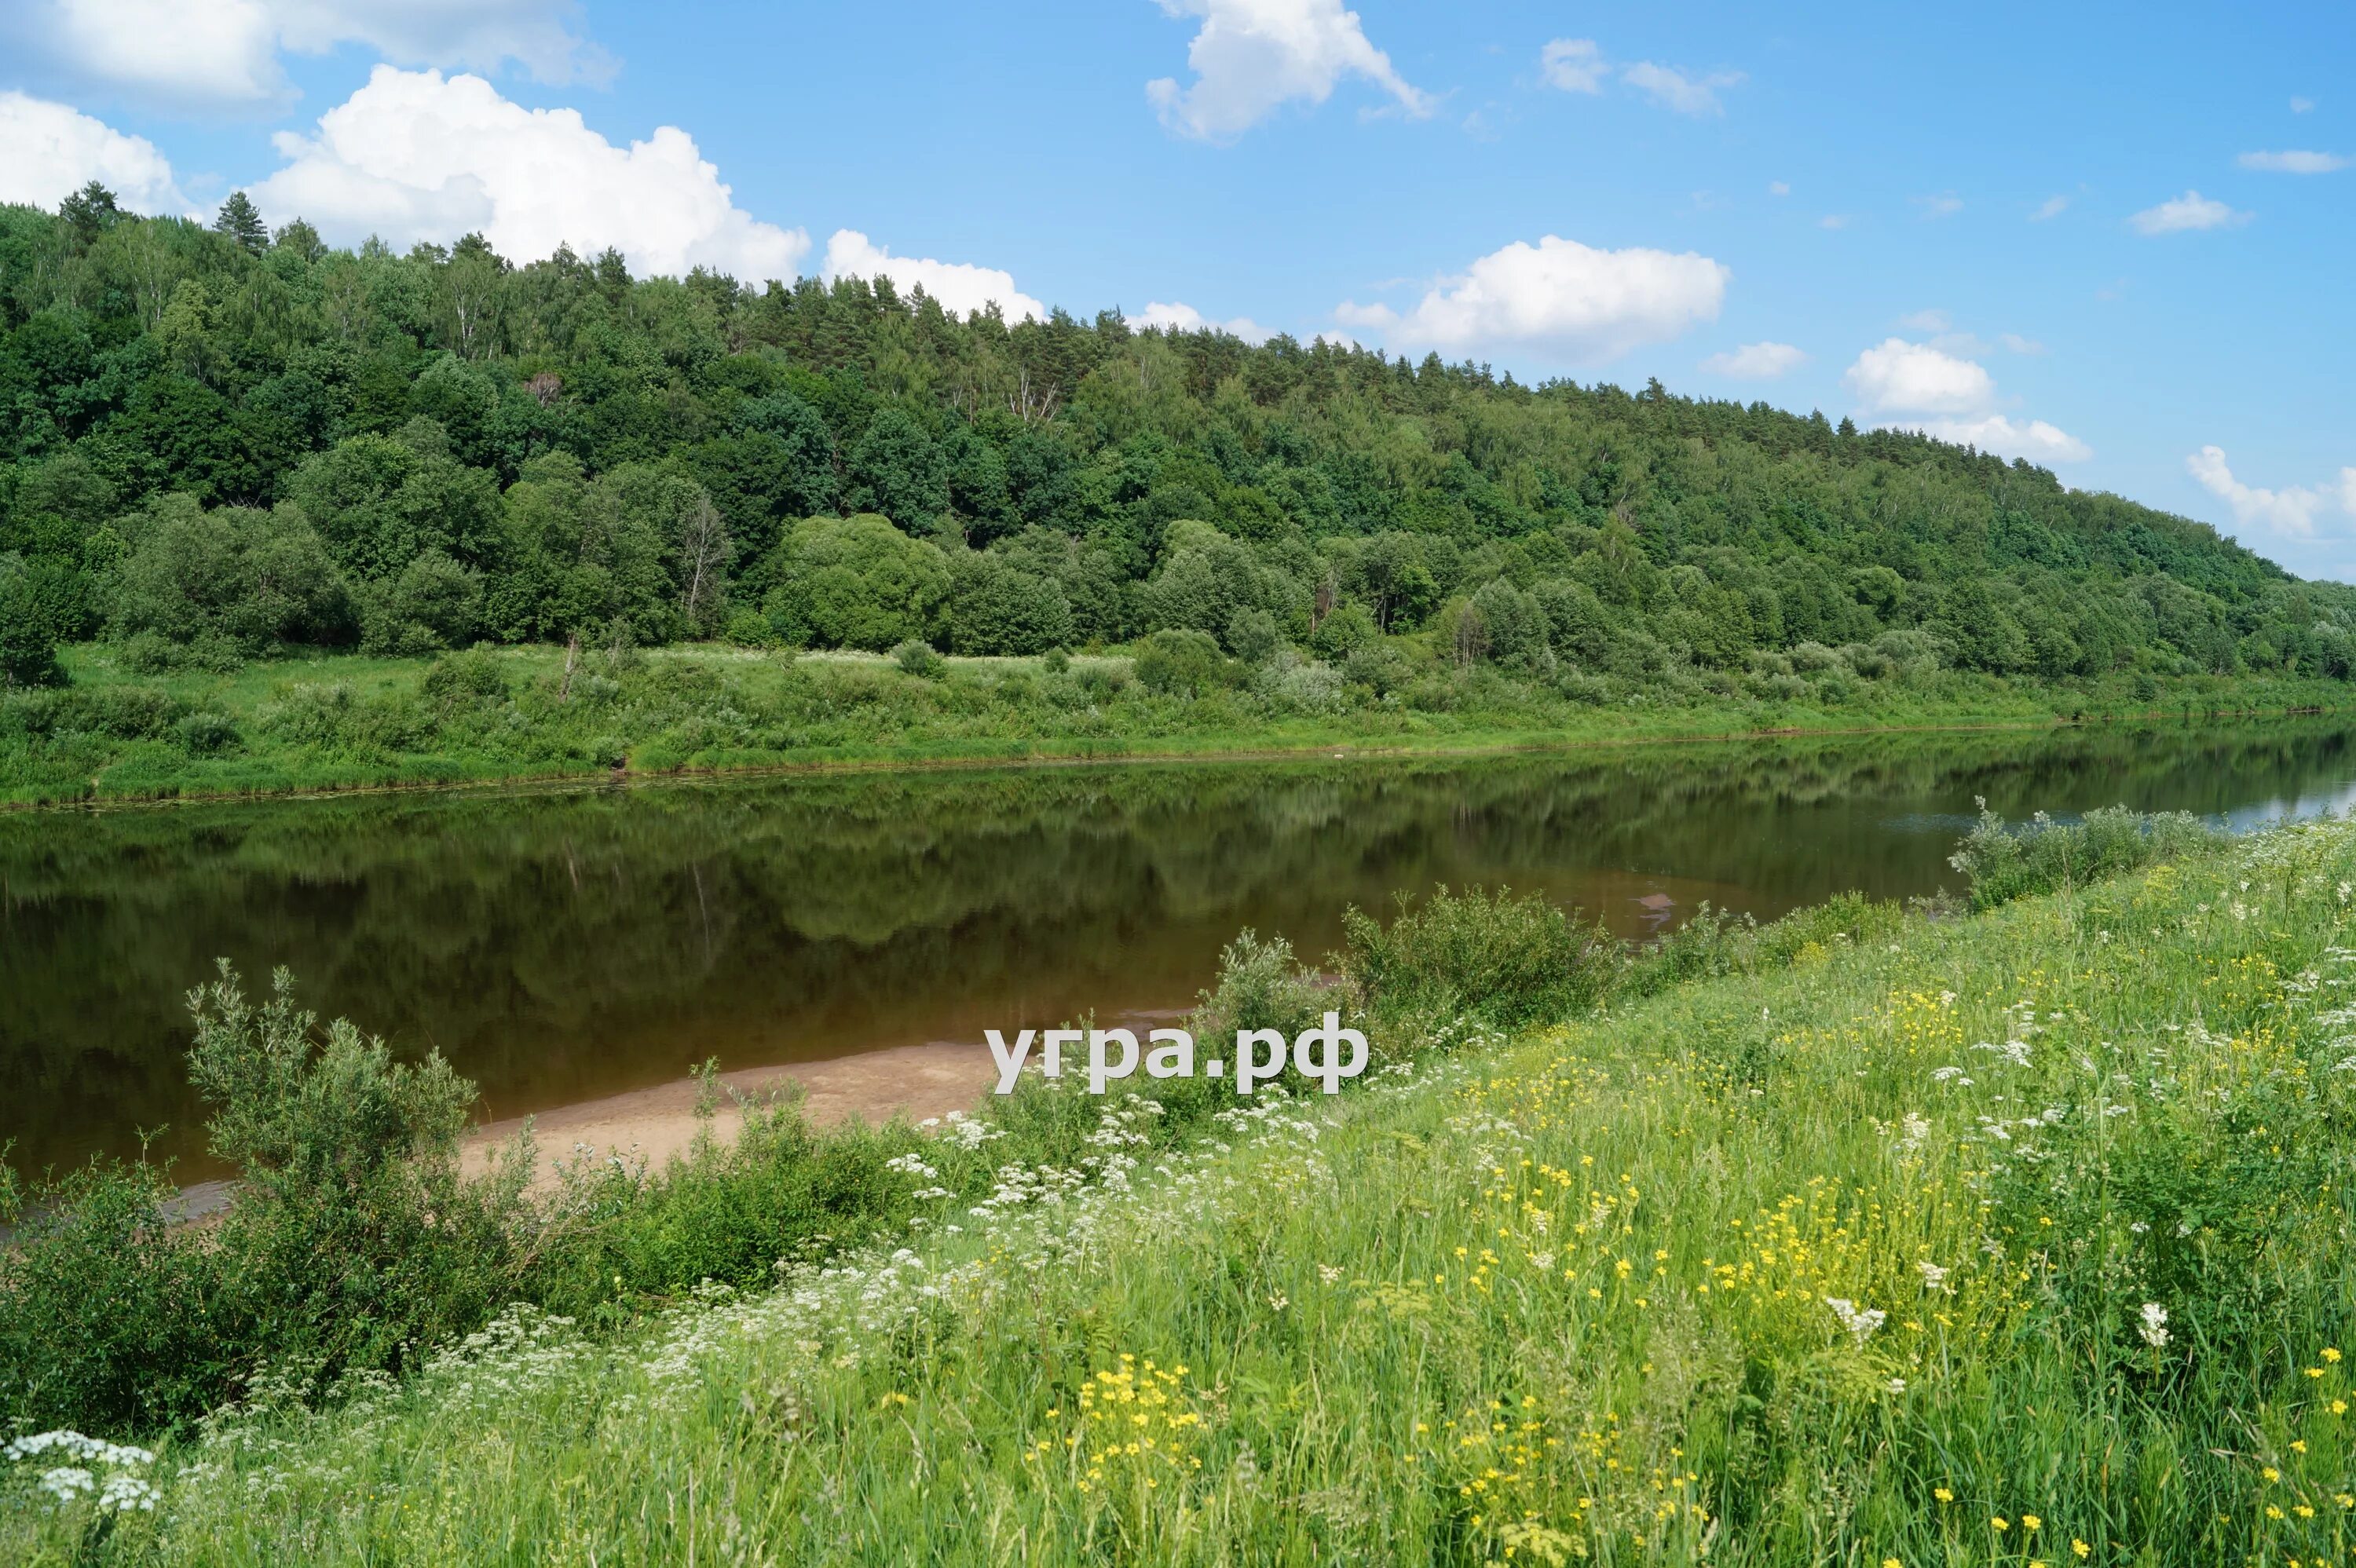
<point x="355" y="724"/>
<point x="2013" y="1238"/>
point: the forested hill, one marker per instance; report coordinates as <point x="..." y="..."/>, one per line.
<point x="217" y="442"/>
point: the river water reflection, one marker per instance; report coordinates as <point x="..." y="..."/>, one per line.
<point x="559" y="945"/>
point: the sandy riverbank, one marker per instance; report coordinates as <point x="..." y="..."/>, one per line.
<point x="658" y="1122"/>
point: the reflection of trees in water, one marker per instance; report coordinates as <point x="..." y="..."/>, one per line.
<point x="567" y="943"/>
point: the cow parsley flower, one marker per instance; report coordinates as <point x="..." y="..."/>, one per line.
<point x="1859" y="1322"/>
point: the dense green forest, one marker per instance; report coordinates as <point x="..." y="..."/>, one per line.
<point x="218" y="444"/>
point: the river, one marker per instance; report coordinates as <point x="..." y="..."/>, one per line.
<point x="563" y="944"/>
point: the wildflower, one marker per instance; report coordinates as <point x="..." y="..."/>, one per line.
<point x="1943" y="1494"/>
<point x="1860" y="1323"/>
<point x="67" y="1482"/>
<point x="124" y="1493"/>
<point x="2000" y="1522"/>
<point x="2329" y="1354"/>
<point x="2155" y="1325"/>
<point x="1933" y="1276"/>
<point x="2080" y="1548"/>
<point x="2030" y="1521"/>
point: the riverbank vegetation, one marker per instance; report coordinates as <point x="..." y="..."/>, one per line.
<point x="225" y="454"/>
<point x="489" y="715"/>
<point x="2006" y="1237"/>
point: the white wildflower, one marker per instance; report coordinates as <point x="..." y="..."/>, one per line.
<point x="68" y="1482"/>
<point x="1859" y="1322"/>
<point x="1933" y="1276"/>
<point x="123" y="1493"/>
<point x="2155" y="1325"/>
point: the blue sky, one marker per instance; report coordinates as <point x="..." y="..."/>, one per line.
<point x="2110" y="243"/>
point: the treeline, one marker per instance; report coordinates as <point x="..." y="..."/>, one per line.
<point x="217" y="443"/>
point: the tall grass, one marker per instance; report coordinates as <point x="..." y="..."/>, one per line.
<point x="2017" y="1238"/>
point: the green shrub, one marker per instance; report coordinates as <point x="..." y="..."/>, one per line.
<point x="1260" y="986"/>
<point x="110" y="1320"/>
<point x="206" y="734"/>
<point x="1500" y="958"/>
<point x="1183" y="663"/>
<point x="465" y="679"/>
<point x="2003" y="863"/>
<point x="919" y="659"/>
<point x="353" y="1242"/>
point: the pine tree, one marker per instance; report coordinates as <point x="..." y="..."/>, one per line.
<point x="90" y="210"/>
<point x="241" y="222"/>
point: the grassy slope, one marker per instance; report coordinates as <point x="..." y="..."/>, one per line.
<point x="715" y="709"/>
<point x="1564" y="1294"/>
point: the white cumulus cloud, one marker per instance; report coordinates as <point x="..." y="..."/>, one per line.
<point x="2286" y="511"/>
<point x="1754" y="361"/>
<point x="1182" y="317"/>
<point x="416" y="155"/>
<point x="961" y="287"/>
<point x="218" y="53"/>
<point x="1898" y="377"/>
<point x="1924" y="386"/>
<point x="1574" y="65"/>
<point x="2295" y="163"/>
<point x="1252" y="56"/>
<point x="2050" y="207"/>
<point x="1570" y="300"/>
<point x="2185" y="213"/>
<point x="1673" y="88"/>
<point x="2032" y="439"/>
<point x="49" y="151"/>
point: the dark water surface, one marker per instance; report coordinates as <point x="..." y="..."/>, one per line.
<point x="561" y="945"/>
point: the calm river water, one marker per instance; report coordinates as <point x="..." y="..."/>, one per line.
<point x="562" y="945"/>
